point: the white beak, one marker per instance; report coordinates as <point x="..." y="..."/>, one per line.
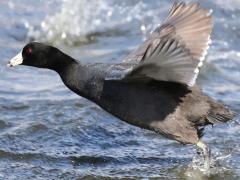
<point x="18" y="59"/>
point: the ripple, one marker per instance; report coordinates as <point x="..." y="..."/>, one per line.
<point x="37" y="128"/>
<point x="47" y="132"/>
<point x="4" y="124"/>
<point x="18" y="107"/>
<point x="93" y="160"/>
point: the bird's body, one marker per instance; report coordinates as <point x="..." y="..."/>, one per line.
<point x="170" y="109"/>
<point x="154" y="87"/>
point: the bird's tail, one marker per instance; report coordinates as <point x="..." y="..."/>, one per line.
<point x="219" y="114"/>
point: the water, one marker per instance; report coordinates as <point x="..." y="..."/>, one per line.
<point x="47" y="132"/>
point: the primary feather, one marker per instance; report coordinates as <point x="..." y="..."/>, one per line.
<point x="174" y="51"/>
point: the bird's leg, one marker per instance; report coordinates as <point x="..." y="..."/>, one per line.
<point x="206" y="154"/>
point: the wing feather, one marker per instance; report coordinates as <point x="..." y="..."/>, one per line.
<point x="175" y="51"/>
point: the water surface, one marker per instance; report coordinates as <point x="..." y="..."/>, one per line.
<point x="47" y="132"/>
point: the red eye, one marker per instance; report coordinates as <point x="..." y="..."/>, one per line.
<point x="29" y="51"/>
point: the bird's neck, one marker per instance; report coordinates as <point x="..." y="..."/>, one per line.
<point x="81" y="79"/>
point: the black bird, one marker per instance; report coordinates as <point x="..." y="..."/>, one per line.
<point x="154" y="87"/>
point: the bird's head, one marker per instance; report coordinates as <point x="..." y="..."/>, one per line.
<point x="38" y="55"/>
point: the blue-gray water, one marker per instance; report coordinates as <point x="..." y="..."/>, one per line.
<point x="47" y="132"/>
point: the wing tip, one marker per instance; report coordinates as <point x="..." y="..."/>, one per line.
<point x="180" y="8"/>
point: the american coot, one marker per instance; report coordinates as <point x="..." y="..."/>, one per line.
<point x="154" y="86"/>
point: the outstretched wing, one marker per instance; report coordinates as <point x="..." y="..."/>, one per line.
<point x="176" y="50"/>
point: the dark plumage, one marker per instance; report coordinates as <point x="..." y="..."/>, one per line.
<point x="154" y="87"/>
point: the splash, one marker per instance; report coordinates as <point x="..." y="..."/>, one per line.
<point x="197" y="170"/>
<point x="79" y="21"/>
<point x="230" y="5"/>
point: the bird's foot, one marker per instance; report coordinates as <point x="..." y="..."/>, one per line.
<point x="206" y="154"/>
